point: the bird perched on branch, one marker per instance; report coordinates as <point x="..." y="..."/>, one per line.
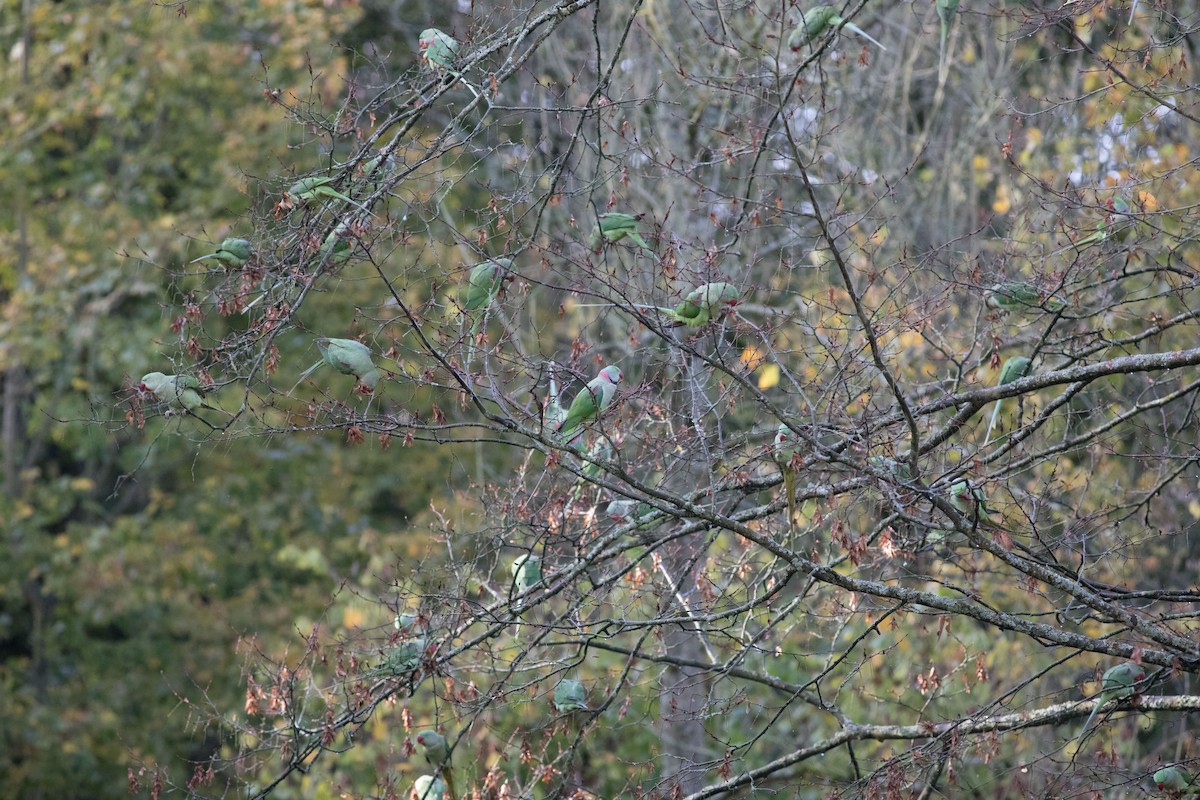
<point x="1117" y="683"/>
<point x="702" y="304"/>
<point x="437" y="755"/>
<point x="428" y="787"/>
<point x="527" y="572"/>
<point x="1176" y="781"/>
<point x="309" y="191"/>
<point x="1013" y="369"/>
<point x="592" y="401"/>
<point x="232" y="253"/>
<point x="783" y="450"/>
<point x="946" y="11"/>
<point x="818" y="19"/>
<point x="1021" y="296"/>
<point x="969" y="501"/>
<point x="347" y="356"/>
<point x="439" y="50"/>
<point x="569" y="696"/>
<point x="485" y="283"/>
<point x="175" y="391"/>
<point x="625" y="511"/>
<point x="612" y="227"/>
<point x="1117" y="223"/>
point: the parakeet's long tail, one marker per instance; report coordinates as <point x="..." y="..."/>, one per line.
<point x="1099" y="702"/>
<point x="571" y="435"/>
<point x="334" y="194"/>
<point x="992" y="422"/>
<point x="789" y="486"/>
<point x="865" y="35"/>
<point x="471" y="337"/>
<point x="639" y="241"/>
<point x="304" y="375"/>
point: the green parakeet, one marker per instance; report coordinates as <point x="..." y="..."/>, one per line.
<point x="590" y="403"/>
<point x="403" y="658"/>
<point x="1117" y="683"/>
<point x="232" y="253"/>
<point x="1175" y="780"/>
<point x="347" y="356"/>
<point x="816" y="21"/>
<point x="601" y="450"/>
<point x="969" y="501"/>
<point x="175" y="391"/>
<point x="485" y="282"/>
<point x="1012" y="369"/>
<point x="377" y="167"/>
<point x="1021" y="296"/>
<point x="614" y="226"/>
<point x="1117" y="223"/>
<point x="702" y="304"/>
<point x="437" y="754"/>
<point x="555" y="413"/>
<point x="311" y="190"/>
<point x="569" y="695"/>
<point x="946" y="10"/>
<point x="890" y="466"/>
<point x="783" y="451"/>
<point x="436" y="748"/>
<point x="428" y="787"/>
<point x="335" y="250"/>
<point x="406" y="622"/>
<point x="526" y="572"/>
<point x="439" y="50"/>
<point x="625" y="511"/>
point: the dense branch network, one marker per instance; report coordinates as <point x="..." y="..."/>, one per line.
<point x="676" y="293"/>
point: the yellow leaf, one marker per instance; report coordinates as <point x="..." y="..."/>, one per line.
<point x="769" y="376"/>
<point x="753" y="358"/>
<point x="1194" y="509"/>
<point x="353" y="618"/>
<point x="1147" y="201"/>
<point x="1003" y="202"/>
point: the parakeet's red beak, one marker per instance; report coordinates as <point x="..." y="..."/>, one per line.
<point x="143" y="389"/>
